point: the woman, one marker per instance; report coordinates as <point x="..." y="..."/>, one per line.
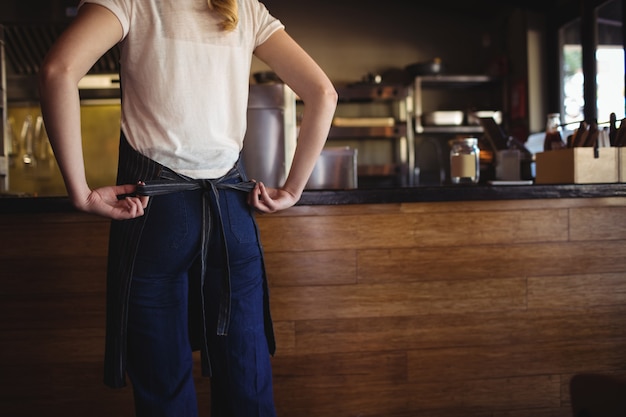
<point x="185" y="264"/>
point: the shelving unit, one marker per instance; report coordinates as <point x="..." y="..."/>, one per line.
<point x="397" y="126"/>
<point x="451" y="92"/>
<point x="466" y="86"/>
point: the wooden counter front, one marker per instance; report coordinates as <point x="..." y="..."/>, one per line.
<point x="473" y="308"/>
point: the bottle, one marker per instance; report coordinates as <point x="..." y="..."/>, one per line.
<point x="464" y="161"/>
<point x="554" y="137"/>
<point x="27" y="138"/>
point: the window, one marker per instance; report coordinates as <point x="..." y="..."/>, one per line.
<point x="609" y="65"/>
<point x="610" y="60"/>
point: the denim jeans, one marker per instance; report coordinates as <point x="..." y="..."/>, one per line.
<point x="159" y="351"/>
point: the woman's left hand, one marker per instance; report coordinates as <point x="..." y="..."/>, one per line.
<point x="270" y="200"/>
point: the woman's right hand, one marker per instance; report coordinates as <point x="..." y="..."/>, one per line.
<point x="105" y="201"/>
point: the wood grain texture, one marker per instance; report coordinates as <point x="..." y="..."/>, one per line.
<point x="479" y="309"/>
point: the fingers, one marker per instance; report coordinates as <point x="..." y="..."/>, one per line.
<point x="134" y="206"/>
<point x="117" y="202"/>
<point x="143" y="199"/>
<point x="260" y="199"/>
<point x="269" y="200"/>
<point x="128" y="192"/>
<point x="254" y="195"/>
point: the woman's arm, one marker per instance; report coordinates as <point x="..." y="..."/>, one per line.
<point x="92" y="33"/>
<point x="302" y="74"/>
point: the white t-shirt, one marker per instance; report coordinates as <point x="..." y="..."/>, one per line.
<point x="185" y="80"/>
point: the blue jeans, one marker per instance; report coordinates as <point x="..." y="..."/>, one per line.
<point x="159" y="350"/>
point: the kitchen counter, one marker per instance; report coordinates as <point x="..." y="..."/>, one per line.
<point x="457" y="300"/>
<point x="26" y="204"/>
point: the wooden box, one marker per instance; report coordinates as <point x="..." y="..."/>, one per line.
<point x="577" y="166"/>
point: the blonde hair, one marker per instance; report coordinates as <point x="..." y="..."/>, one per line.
<point x="228" y="10"/>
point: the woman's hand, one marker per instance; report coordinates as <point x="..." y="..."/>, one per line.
<point x="270" y="200"/>
<point x="105" y="202"/>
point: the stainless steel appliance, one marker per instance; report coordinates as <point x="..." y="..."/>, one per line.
<point x="270" y="139"/>
<point x="336" y="169"/>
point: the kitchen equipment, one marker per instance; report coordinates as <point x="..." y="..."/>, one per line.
<point x="270" y="139"/>
<point x="443" y="118"/>
<point x="508" y="165"/>
<point x="500" y="142"/>
<point x="336" y="168"/>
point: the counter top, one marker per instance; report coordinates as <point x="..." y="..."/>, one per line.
<point x="461" y="193"/>
<point x="380" y="195"/>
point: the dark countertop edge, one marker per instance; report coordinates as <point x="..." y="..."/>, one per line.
<point x="378" y="196"/>
<point x="461" y="193"/>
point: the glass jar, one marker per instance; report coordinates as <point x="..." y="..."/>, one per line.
<point x="464" y="161"/>
<point x="554" y="137"/>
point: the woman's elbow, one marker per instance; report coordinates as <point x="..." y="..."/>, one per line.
<point x="328" y="95"/>
<point x="52" y="72"/>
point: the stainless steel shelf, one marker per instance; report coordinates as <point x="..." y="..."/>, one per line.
<point x="449" y="82"/>
<point x="372" y="92"/>
<point x="402" y="133"/>
<point x="454" y="81"/>
<point x="364" y="132"/>
<point x="450" y="129"/>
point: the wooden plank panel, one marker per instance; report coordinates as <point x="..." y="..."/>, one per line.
<point x="25" y="275"/>
<point x="438" y="413"/>
<point x="303" y="398"/>
<point x="73" y="389"/>
<point x="310" y="385"/>
<point x="358" y="368"/>
<point x="37" y="311"/>
<point x="406" y="230"/>
<point x="511" y="205"/>
<point x="475" y="328"/>
<point x="595" y="223"/>
<point x="473" y="261"/>
<point x="563" y="411"/>
<point x="68" y="395"/>
<point x="282" y="234"/>
<point x="492" y="227"/>
<point x="311" y="268"/>
<point x="285" y="334"/>
<point x="491" y="394"/>
<point x="51" y="240"/>
<point x="36" y="219"/>
<point x="432" y="297"/>
<point x="51" y="346"/>
<point x="336" y="210"/>
<point x="510" y="360"/>
<point x="576" y="291"/>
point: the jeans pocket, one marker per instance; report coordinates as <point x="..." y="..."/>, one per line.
<point x="167" y="230"/>
<point x="240" y="220"/>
